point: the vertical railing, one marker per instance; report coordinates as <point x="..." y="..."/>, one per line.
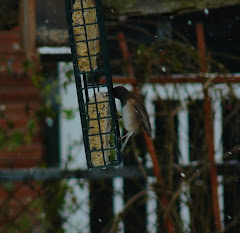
<point x="209" y="128"/>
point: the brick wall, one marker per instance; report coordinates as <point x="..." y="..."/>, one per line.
<point x="19" y="99"/>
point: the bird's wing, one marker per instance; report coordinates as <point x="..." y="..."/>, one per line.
<point x="144" y="117"/>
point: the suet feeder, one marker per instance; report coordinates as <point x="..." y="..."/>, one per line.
<point x="93" y="82"/>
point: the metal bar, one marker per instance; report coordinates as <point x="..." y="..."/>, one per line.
<point x="102" y="149"/>
<point x="181" y="80"/>
<point x="86" y="36"/>
<point x="229" y="168"/>
<point x="90" y="72"/>
<point x="99" y="102"/>
<point x="102" y="134"/>
<point x="93" y="86"/>
<point x="99" y="118"/>
<point x="77" y="80"/>
<point x="107" y="69"/>
<point x="209" y="129"/>
<point x="83" y="79"/>
<point x="125" y="53"/>
<point x="86" y="8"/>
<point x="211" y="152"/>
<point x="201" y="47"/>
<point x="88" y="56"/>
<point x="82" y="25"/>
<point x="157" y="173"/>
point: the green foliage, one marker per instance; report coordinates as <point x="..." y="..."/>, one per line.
<point x="43" y="210"/>
<point x="2" y="138"/>
<point x="15" y="140"/>
<point x="28" y="65"/>
<point x="45" y="111"/>
<point x="54" y="202"/>
<point x="167" y="57"/>
<point x="69" y="113"/>
<point x="37" y="80"/>
<point x="69" y="76"/>
<point x="48" y="90"/>
<point x="24" y="223"/>
<point x="11" y="140"/>
<point x="32" y="128"/>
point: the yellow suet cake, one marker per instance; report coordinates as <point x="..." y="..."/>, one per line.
<point x="105" y="126"/>
<point x="80" y="35"/>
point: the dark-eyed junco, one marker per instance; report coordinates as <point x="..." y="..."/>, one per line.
<point x="134" y="114"/>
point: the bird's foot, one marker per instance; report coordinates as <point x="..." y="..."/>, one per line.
<point x="118" y="117"/>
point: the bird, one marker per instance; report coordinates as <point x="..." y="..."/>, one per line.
<point x="134" y="114"/>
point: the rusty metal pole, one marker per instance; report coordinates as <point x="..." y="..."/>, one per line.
<point x="125" y="54"/>
<point x="209" y="128"/>
<point x="149" y="141"/>
<point x="28" y="24"/>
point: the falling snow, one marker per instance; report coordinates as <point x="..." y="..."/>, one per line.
<point x="206" y="11"/>
<point x="2" y="107"/>
<point x="49" y="121"/>
<point x="182" y="174"/>
<point x="163" y="69"/>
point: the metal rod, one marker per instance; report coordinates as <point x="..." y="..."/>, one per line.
<point x="228" y="168"/>
<point x="209" y="129"/>
<point x="178" y="79"/>
<point x="201" y="47"/>
<point x="108" y="74"/>
<point x="125" y="54"/>
<point x="77" y="80"/>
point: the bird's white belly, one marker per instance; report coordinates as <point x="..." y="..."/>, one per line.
<point x="130" y="122"/>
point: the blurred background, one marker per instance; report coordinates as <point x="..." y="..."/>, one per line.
<point x="183" y="57"/>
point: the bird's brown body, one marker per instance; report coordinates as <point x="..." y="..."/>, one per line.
<point x="134" y="113"/>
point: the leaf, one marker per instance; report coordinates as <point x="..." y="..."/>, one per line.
<point x="2" y="138"/>
<point x="69" y="114"/>
<point x="65" y="85"/>
<point x="38" y="80"/>
<point x="47" y="89"/>
<point x="69" y="75"/>
<point x="32" y="128"/>
<point x="45" y="111"/>
<point x="15" y="140"/>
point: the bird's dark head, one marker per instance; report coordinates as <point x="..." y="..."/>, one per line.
<point x="121" y="93"/>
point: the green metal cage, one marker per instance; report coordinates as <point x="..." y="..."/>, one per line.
<point x="93" y="82"/>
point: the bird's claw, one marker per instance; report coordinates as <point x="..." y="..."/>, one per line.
<point x="118" y="117"/>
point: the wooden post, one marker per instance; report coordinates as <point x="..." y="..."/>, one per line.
<point x="28" y="27"/>
<point x="209" y="129"/>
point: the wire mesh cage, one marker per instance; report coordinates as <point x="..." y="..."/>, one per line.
<point x="93" y="82"/>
